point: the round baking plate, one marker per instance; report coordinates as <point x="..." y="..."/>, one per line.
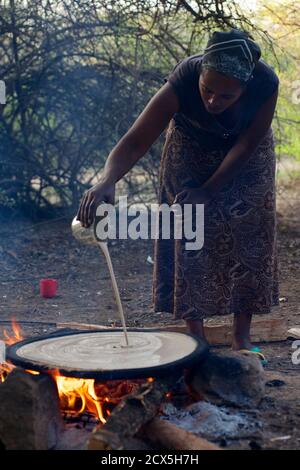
<point x="103" y="355"/>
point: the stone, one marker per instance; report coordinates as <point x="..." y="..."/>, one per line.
<point x="233" y="378"/>
<point x="30" y="418"/>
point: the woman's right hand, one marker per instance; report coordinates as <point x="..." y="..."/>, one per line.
<point x="103" y="191"/>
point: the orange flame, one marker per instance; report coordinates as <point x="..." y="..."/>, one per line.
<point x="6" y="368"/>
<point x="4" y="371"/>
<point x="17" y="334"/>
<point x="79" y="395"/>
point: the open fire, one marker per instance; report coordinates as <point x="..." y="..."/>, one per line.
<point x="78" y="396"/>
<point x="138" y="422"/>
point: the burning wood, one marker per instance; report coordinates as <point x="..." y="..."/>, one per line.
<point x="129" y="416"/>
<point x="137" y="416"/>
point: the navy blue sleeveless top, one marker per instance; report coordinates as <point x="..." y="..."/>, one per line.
<point x="203" y="126"/>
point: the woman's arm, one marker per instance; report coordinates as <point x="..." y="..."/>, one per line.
<point x="142" y="134"/>
<point x="131" y="147"/>
<point x="243" y="148"/>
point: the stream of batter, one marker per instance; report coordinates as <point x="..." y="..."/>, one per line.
<point x="104" y="248"/>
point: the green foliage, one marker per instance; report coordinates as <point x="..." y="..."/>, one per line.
<point x="282" y="20"/>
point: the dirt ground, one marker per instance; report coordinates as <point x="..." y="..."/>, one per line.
<point x="30" y="252"/>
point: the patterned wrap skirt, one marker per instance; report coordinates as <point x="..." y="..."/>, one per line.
<point x="236" y="270"/>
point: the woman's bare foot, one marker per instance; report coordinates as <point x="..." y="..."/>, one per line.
<point x="240" y="343"/>
<point x="241" y="331"/>
<point x="195" y="327"/>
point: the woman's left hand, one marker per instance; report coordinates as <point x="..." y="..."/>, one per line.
<point x="192" y="196"/>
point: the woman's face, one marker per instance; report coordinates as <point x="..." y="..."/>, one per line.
<point x="218" y="91"/>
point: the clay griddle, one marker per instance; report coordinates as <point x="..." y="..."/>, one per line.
<point x="103" y="355"/>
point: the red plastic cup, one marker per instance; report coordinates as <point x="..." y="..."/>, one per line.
<point x="48" y="288"/>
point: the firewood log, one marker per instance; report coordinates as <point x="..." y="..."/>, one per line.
<point x="171" y="437"/>
<point x="128" y="417"/>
